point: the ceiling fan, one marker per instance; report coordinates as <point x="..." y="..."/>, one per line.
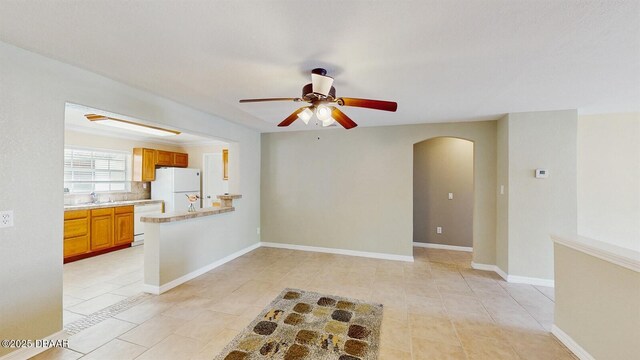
<point x="321" y="96"/>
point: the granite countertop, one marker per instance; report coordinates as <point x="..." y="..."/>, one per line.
<point x="111" y="204"/>
<point x="179" y="216"/>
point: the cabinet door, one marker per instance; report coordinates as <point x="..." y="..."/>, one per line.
<point x="164" y="158"/>
<point x="101" y="232"/>
<point x="180" y="160"/>
<point x="148" y="164"/>
<point x="124" y="229"/>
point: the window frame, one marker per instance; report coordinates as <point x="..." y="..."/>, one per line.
<point x="127" y="172"/>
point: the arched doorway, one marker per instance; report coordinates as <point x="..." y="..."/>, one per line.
<point x="443" y="193"/>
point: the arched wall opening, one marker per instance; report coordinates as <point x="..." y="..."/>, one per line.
<point x="443" y="192"/>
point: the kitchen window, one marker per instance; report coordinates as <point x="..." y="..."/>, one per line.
<point x="87" y="170"/>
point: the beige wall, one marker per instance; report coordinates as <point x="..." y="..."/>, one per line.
<point x="354" y="189"/>
<point x="34" y="92"/>
<point x="502" y="197"/>
<point x="609" y="178"/>
<point x="597" y="304"/>
<point x="442" y="166"/>
<point x="539" y="207"/>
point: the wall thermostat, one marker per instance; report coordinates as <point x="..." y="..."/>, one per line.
<point x="542" y="173"/>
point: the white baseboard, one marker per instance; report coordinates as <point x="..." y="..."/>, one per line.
<point x="27" y="353"/>
<point x="339" y="251"/>
<point x="571" y="344"/>
<point x="443" y="247"/>
<point x="488" y="267"/>
<point x="157" y="290"/>
<point x="531" y="281"/>
<point x="513" y="278"/>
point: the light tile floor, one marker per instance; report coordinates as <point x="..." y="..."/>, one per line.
<point x="435" y="308"/>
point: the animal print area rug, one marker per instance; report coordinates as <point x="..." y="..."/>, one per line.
<point x="306" y="325"/>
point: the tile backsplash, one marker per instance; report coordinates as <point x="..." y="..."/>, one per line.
<point x="138" y="192"/>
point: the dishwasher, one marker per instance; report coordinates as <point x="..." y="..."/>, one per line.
<point x="138" y="226"/>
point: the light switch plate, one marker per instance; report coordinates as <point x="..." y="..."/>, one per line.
<point x="450" y="196"/>
<point x="6" y="218"/>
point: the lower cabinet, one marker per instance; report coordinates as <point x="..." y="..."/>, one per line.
<point x="123" y="227"/>
<point x="93" y="232"/>
<point x="101" y="229"/>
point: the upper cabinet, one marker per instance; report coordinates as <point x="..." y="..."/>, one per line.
<point x="180" y="159"/>
<point x="145" y="162"/>
<point x="225" y="164"/>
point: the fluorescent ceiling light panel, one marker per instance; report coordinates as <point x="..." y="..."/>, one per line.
<point x="130" y="125"/>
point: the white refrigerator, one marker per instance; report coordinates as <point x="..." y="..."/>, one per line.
<point x="173" y="184"/>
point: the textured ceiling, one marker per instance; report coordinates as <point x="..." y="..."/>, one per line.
<point x="440" y="60"/>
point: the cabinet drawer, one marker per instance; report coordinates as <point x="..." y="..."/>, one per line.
<point x="76" y="214"/>
<point x="76" y="227"/>
<point x="124" y="209"/>
<point x="101" y="212"/>
<point x="76" y="245"/>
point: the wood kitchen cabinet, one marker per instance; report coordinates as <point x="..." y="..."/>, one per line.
<point x="144" y="164"/>
<point x="76" y="233"/>
<point x="123" y="222"/>
<point x="101" y="229"/>
<point x="97" y="231"/>
<point x="180" y="159"/>
<point x="164" y="158"/>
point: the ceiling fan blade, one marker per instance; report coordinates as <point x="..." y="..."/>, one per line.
<point x="367" y="103"/>
<point x="269" y="99"/>
<point x="342" y="119"/>
<point x="292" y="117"/>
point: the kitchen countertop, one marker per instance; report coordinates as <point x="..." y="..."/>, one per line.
<point x="111" y="204"/>
<point x="179" y="216"/>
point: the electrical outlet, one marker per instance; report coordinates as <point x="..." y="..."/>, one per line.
<point x="6" y="218"/>
<point x="450" y="196"/>
<point x="258" y="230"/>
<point x="439" y="230"/>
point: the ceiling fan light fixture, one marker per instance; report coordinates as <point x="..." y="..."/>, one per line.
<point x="321" y="84"/>
<point x="328" y="122"/>
<point x="305" y="115"/>
<point x="323" y="113"/>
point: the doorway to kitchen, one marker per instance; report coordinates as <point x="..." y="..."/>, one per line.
<point x="443" y="197"/>
<point x="117" y="170"/>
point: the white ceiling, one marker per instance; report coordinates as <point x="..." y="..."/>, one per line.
<point x="75" y="120"/>
<point x="441" y="61"/>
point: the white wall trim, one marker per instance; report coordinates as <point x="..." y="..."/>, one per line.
<point x="571" y="344"/>
<point x="513" y="278"/>
<point x="530" y="280"/>
<point x="338" y="251"/>
<point x="614" y="254"/>
<point x="27" y="353"/>
<point x="488" y="267"/>
<point x="157" y="290"/>
<point x="443" y="247"/>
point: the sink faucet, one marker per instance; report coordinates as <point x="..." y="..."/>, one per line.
<point x="94" y="197"/>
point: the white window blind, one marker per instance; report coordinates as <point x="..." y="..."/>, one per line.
<point x="87" y="170"/>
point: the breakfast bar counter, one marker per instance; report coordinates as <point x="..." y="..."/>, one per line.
<point x="182" y="245"/>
